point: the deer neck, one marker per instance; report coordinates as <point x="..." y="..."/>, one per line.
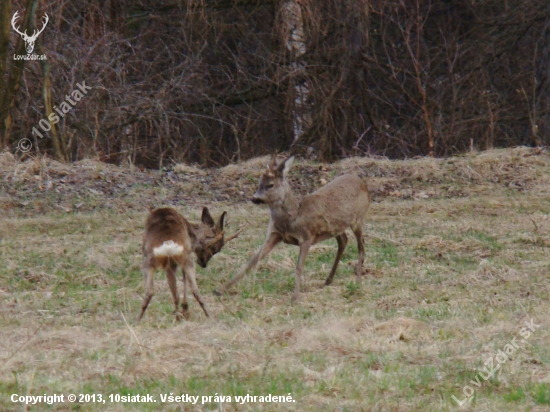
<point x="285" y="209"/>
<point x="191" y="231"/>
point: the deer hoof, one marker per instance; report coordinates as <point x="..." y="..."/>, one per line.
<point x="185" y="311"/>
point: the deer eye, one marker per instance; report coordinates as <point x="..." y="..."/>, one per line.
<point x="269" y="186"/>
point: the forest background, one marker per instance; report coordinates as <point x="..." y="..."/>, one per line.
<point x="212" y="82"/>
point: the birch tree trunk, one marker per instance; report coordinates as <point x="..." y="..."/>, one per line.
<point x="295" y="43"/>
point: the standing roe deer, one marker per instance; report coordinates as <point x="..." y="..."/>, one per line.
<point x="321" y="215"/>
<point x="169" y="241"/>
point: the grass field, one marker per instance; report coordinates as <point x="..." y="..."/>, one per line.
<point x="457" y="260"/>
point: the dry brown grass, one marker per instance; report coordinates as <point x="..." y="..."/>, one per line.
<point x="450" y="275"/>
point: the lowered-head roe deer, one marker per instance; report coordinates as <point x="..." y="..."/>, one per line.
<point x="321" y="215"/>
<point x="169" y="241"/>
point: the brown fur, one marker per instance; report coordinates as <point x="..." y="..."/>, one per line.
<point x="204" y="239"/>
<point x="322" y="215"/>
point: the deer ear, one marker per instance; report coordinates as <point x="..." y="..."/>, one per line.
<point x="207" y="217"/>
<point x="285" y="166"/>
<point x="221" y="222"/>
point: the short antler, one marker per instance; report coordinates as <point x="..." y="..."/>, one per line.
<point x="236" y="234"/>
<point x="271" y="165"/>
<point x="218" y="237"/>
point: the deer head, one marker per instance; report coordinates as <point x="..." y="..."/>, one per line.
<point x="273" y="184"/>
<point x="29" y="40"/>
<point x="210" y="237"/>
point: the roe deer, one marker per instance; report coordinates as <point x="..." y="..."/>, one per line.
<point x="169" y="241"/>
<point x="321" y="215"/>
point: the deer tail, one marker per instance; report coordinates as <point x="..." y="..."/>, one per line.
<point x="167" y="249"/>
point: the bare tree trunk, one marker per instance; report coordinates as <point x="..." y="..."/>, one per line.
<point x="59" y="147"/>
<point x="5" y="8"/>
<point x="14" y="79"/>
<point x="541" y="126"/>
<point x="58" y="141"/>
<point x="295" y="43"/>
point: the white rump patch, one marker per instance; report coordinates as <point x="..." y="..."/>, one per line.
<point x="167" y="249"/>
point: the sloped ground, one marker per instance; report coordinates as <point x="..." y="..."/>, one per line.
<point x="41" y="185"/>
<point x="456" y="262"/>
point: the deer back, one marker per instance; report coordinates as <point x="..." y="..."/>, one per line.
<point x="163" y="225"/>
<point x="340" y="204"/>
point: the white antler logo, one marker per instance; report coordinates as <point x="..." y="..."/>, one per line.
<point x="29" y="40"/>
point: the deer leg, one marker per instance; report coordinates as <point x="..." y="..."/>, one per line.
<point x="342" y="242"/>
<point x="172" y="283"/>
<point x="148" y="270"/>
<point x="304" y="249"/>
<point x="267" y="247"/>
<point x="190" y="274"/>
<point x="358" y="232"/>
<point x="184" y="304"/>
